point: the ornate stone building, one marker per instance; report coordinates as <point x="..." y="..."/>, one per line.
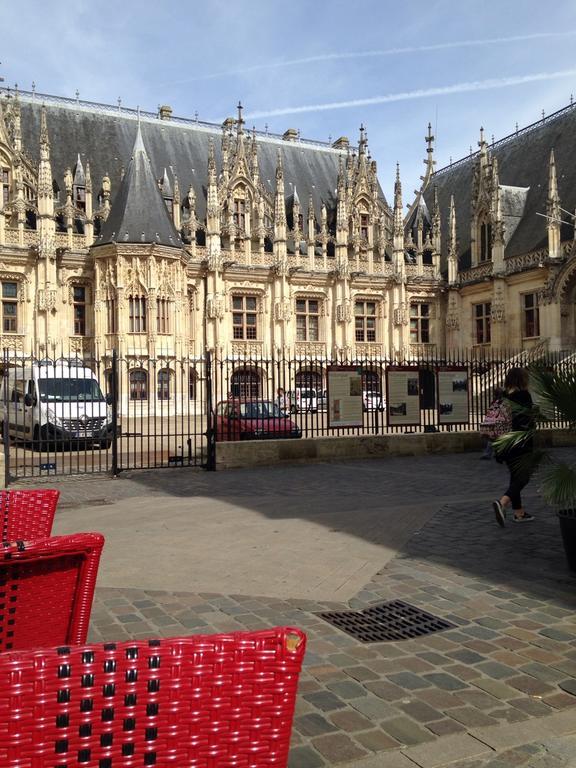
<point x="162" y="237"/>
<point x="509" y="239"/>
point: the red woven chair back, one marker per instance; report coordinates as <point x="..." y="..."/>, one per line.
<point x="46" y="590"/>
<point x="27" y="514"/>
<point x="196" y="702"/>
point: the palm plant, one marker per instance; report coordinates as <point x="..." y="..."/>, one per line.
<point x="554" y="394"/>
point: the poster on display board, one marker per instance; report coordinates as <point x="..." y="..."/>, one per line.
<point x="344" y="396"/>
<point x="453" y="395"/>
<point x="403" y="396"/>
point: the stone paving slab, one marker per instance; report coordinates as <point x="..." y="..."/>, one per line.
<point x="502" y="672"/>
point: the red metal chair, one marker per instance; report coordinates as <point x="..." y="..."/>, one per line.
<point x="195" y="702"/>
<point x="27" y="514"/>
<point x="46" y="590"/>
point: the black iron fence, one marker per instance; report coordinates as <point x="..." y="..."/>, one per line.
<point x="76" y="415"/>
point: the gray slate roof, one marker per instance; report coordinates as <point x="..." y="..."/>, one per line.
<point x="105" y="139"/>
<point x="138" y="213"/>
<point x="522" y="163"/>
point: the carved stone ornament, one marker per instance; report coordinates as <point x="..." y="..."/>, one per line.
<point x="343" y="269"/>
<point x="283" y="310"/>
<point x="498" y="307"/>
<point x="215" y="306"/>
<point x="47" y="247"/>
<point x="400" y="315"/>
<point x="453" y="315"/>
<point x="214" y="256"/>
<point x="344" y="312"/>
<point x="46" y="300"/>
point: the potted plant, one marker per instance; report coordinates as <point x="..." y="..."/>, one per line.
<point x="554" y="393"/>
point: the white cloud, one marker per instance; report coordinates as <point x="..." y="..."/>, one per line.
<point x="421" y="93"/>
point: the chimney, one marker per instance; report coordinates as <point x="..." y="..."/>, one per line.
<point x="342" y="143"/>
<point x="165" y="112"/>
<point x="290" y="135"/>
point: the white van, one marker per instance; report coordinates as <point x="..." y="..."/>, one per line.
<point x="56" y="402"/>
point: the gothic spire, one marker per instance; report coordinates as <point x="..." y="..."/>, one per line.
<point x="452" y="244"/>
<point x="279" y="203"/>
<point x="398" y="217"/>
<point x="79" y="175"/>
<point x="139" y="214"/>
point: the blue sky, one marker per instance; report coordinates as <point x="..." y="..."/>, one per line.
<point x="393" y="66"/>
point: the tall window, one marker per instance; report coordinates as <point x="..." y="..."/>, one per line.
<point x="240" y="214"/>
<point x="9" y="307"/>
<point x="482" y="314"/>
<point x="485" y="242"/>
<point x="244" y="317"/>
<point x="163" y="316"/>
<point x="193" y="385"/>
<point x="79" y="310"/>
<point x="137" y="310"/>
<point x="138" y="385"/>
<point x="364" y="224"/>
<point x="365" y="320"/>
<point x="5" y="180"/>
<point x="307" y="319"/>
<point x="531" y="314"/>
<point x="164" y="384"/>
<point x="420" y="323"/>
<point x="80" y="197"/>
<point x="111" y="323"/>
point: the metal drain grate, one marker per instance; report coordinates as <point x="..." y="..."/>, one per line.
<point x="395" y="620"/>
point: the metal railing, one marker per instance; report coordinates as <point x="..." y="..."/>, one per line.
<point x="79" y="414"/>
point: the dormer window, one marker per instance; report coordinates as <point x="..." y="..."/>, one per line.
<point x="5" y="179"/>
<point x="80" y="198"/>
<point x="485" y="241"/>
<point x="364" y="226"/>
<point x="239" y="214"/>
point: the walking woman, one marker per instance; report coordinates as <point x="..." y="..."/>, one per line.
<point x="520" y="402"/>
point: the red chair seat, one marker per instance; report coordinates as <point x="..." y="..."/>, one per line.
<point x="214" y="701"/>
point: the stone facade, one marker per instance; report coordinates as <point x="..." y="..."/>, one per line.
<point x="250" y="245"/>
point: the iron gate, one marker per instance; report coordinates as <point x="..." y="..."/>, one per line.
<point x="73" y="415"/>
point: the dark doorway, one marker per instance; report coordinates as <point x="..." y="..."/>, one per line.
<point x="427" y="388"/>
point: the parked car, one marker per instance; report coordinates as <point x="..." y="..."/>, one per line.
<point x="372" y="401"/>
<point x="240" y="419"/>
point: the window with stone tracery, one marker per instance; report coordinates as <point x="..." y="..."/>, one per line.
<point x="420" y="323"/>
<point x="307" y="320"/>
<point x="240" y="214"/>
<point x="483" y="323"/>
<point x="79" y="306"/>
<point x="531" y="316"/>
<point x="137" y="314"/>
<point x="365" y="320"/>
<point x="111" y="321"/>
<point x="9" y="307"/>
<point x="5" y="181"/>
<point x="163" y="316"/>
<point x="485" y="241"/>
<point x="364" y="226"/>
<point x="244" y="317"/>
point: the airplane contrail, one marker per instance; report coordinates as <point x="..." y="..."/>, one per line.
<point x="377" y="53"/>
<point x="421" y="93"/>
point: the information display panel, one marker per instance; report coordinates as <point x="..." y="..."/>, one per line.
<point x="402" y="396"/>
<point x="344" y="396"/>
<point x="453" y="395"/>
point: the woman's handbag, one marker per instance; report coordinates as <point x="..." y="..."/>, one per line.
<point x="497" y="420"/>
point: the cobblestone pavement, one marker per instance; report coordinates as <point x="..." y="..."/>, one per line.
<point x="494" y="691"/>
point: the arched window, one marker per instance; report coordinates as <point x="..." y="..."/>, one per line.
<point x="485" y="241"/>
<point x="164" y="382"/>
<point x="138" y="381"/>
<point x="308" y="379"/>
<point x="193" y="384"/>
<point x="245" y="383"/>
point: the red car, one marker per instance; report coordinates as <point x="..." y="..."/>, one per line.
<point x="240" y="419"/>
